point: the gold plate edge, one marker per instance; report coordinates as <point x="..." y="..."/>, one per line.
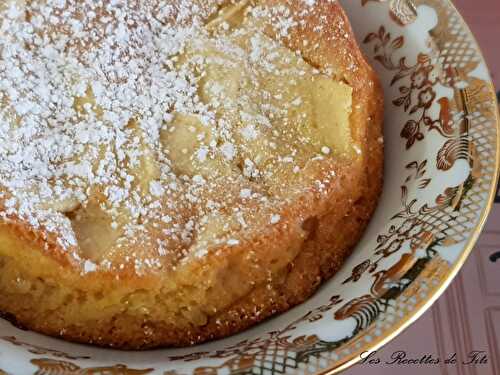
<point x="354" y="358"/>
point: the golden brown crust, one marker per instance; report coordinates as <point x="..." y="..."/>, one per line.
<point x="274" y="271"/>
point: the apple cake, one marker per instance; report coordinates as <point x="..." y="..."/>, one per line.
<point x="175" y="171"/>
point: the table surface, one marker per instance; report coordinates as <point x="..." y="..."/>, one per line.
<point x="467" y="316"/>
<point x="483" y="17"/>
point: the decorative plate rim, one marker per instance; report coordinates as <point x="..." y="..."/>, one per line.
<point x="407" y="321"/>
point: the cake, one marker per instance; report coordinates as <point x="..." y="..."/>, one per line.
<point x="175" y="171"/>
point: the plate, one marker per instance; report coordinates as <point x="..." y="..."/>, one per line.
<point x="442" y="159"/>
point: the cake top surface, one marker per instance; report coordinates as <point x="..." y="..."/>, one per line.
<point x="153" y="131"/>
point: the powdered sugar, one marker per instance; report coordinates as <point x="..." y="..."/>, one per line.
<point x="97" y="103"/>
